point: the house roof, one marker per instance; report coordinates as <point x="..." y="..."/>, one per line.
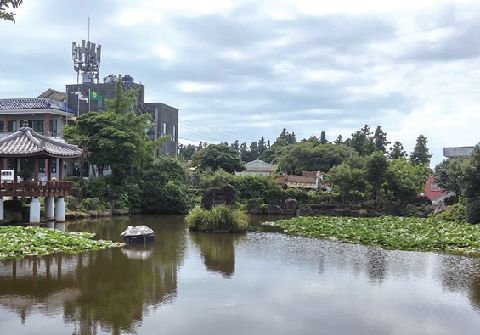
<point x="27" y="143"/>
<point x="53" y="94"/>
<point x="34" y="106"/>
<point x="259" y="165"/>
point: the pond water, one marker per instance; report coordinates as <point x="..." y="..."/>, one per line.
<point x="262" y="282"/>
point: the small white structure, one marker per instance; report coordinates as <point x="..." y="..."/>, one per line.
<point x="257" y="167"/>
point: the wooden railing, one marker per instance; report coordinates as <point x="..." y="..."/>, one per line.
<point x="35" y="189"/>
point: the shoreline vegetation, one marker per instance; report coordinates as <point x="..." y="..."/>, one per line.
<point x="20" y="241"/>
<point x="389" y="232"/>
<point x="219" y="219"/>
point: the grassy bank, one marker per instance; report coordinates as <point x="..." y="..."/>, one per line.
<point x="29" y="241"/>
<point x="389" y="232"/>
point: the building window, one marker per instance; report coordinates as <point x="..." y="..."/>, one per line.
<point x="53" y="128"/>
<point x="12" y="126"/>
<point x="434" y="187"/>
<point x="164" y="129"/>
<point x="37" y="125"/>
<point x="173" y="134"/>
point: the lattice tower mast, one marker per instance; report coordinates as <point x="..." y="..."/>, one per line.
<point x="86" y="59"/>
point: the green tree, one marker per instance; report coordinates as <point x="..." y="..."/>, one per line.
<point x="341" y="179"/>
<point x="323" y="139"/>
<point x="375" y="172"/>
<point x="164" y="186"/>
<point x="380" y="139"/>
<point x="117" y="137"/>
<point x="217" y="156"/>
<point x="447" y="174"/>
<point x="397" y="151"/>
<point x="4" y="4"/>
<point x="420" y="153"/>
<point x="361" y="143"/>
<point x="338" y="141"/>
<point x="187" y="151"/>
<point x="405" y="180"/>
<point x="469" y="181"/>
<point x="304" y="156"/>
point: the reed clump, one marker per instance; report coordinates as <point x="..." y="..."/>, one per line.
<point x="219" y="219"/>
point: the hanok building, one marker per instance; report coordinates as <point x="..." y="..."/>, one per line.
<point x="45" y="116"/>
<point x="26" y="144"/>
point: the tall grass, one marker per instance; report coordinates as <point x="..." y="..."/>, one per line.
<point x="219" y="218"/>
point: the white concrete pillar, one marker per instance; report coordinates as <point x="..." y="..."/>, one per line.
<point x="49" y="208"/>
<point x="60" y="210"/>
<point x="1" y="208"/>
<point x="35" y="210"/>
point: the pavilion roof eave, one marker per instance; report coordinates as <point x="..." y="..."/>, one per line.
<point x="26" y="143"/>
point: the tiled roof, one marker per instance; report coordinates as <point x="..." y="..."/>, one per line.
<point x="27" y="142"/>
<point x="53" y="94"/>
<point x="33" y="103"/>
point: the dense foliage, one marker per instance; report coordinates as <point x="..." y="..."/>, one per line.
<point x="17" y="241"/>
<point x="389" y="232"/>
<point x="218" y="156"/>
<point x="164" y="186"/>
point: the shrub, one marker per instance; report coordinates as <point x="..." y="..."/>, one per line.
<point x="453" y="213"/>
<point x="164" y="187"/>
<point x="472" y="210"/>
<point x="90" y="204"/>
<point x="97" y="187"/>
<point x="254" y="204"/>
<point x="219" y="218"/>
<point x="72" y="178"/>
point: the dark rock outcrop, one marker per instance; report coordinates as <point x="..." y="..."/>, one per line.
<point x="215" y="196"/>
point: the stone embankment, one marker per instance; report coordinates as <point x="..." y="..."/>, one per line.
<point x="353" y="210"/>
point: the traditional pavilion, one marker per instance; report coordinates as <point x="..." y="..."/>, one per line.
<point x="27" y="144"/>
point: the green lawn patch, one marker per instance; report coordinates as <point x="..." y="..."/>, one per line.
<point x="16" y="241"/>
<point x="389" y="232"/>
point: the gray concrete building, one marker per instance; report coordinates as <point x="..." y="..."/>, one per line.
<point x="164" y="117"/>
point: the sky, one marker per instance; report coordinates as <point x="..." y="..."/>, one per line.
<point x="242" y="70"/>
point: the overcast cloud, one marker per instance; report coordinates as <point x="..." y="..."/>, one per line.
<point x="245" y="69"/>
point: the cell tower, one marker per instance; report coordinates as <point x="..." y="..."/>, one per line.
<point x="86" y="59"/>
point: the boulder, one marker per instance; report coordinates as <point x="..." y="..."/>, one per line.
<point x="290" y="204"/>
<point x="92" y="213"/>
<point x="215" y="196"/>
<point x="394" y="209"/>
<point x="334" y="212"/>
<point x="274" y="210"/>
<point x="120" y="212"/>
<point x="304" y="212"/>
<point x="287" y="211"/>
<point x="373" y="214"/>
<point x="73" y="207"/>
<point x="322" y="207"/>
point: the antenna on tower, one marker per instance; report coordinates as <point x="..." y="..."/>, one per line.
<point x="86" y="59"/>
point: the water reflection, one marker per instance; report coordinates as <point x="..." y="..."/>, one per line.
<point x="217" y="251"/>
<point x="269" y="283"/>
<point x="108" y="289"/>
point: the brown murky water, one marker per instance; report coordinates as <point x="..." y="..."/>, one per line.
<point x="262" y="282"/>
